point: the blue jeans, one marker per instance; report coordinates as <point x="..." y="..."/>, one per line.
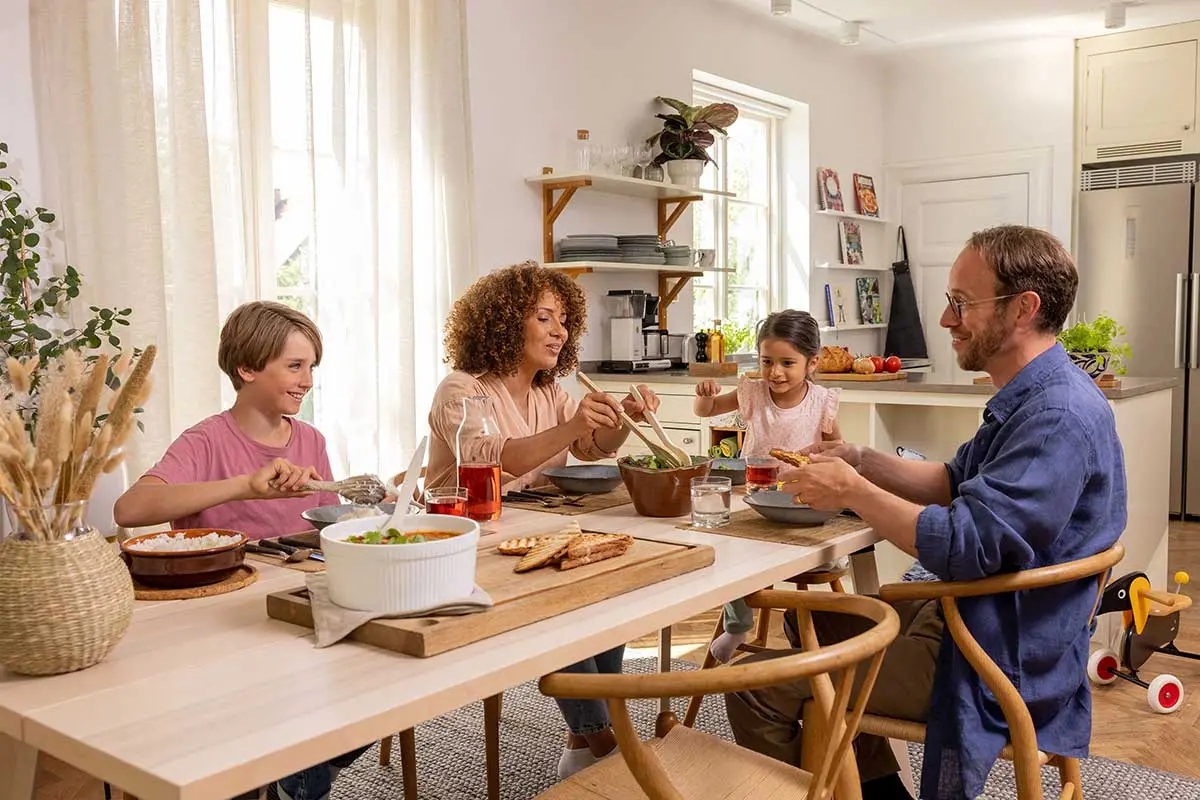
<point x="590" y="716"/>
<point x="315" y="783"/>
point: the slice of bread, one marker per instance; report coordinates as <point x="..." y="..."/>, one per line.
<point x="549" y="550"/>
<point x="790" y="457"/>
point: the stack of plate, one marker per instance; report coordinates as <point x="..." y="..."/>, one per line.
<point x="589" y="247"/>
<point x="678" y="255"/>
<point x="640" y="249"/>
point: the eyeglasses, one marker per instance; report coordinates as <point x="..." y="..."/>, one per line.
<point x="959" y="305"/>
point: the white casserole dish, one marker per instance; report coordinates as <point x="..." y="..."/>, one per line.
<point x="399" y="578"/>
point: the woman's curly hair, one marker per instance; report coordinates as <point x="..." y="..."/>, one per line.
<point x="485" y="331"/>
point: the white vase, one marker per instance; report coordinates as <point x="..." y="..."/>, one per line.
<point x="685" y="172"/>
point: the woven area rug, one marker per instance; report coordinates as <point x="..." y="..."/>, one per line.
<point x="450" y="764"/>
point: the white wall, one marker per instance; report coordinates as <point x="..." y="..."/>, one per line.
<point x="539" y="69"/>
<point x="986" y="98"/>
<point x="18" y="125"/>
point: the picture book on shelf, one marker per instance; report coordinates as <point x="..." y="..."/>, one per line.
<point x="869" y="305"/>
<point x="864" y="192"/>
<point x="829" y="190"/>
<point x="851" y="242"/>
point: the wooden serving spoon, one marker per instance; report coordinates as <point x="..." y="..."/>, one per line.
<point x="657" y="449"/>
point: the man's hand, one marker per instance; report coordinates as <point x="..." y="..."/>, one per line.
<point x="849" y="453"/>
<point x="826" y="484"/>
<point x="280" y="478"/>
<point x="634" y="408"/>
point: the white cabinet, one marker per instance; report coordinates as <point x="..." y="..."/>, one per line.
<point x="1139" y="94"/>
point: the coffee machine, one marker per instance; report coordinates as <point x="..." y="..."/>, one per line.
<point x="630" y="347"/>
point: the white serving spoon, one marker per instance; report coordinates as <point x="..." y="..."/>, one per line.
<point x="411" y="476"/>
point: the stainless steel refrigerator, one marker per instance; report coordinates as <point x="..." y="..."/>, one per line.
<point x="1138" y="254"/>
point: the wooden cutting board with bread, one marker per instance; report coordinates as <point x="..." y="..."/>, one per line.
<point x="573" y="568"/>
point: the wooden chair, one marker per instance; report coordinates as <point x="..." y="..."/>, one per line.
<point x="1022" y="750"/>
<point x="681" y="762"/>
<point x="408" y="743"/>
<point x="815" y="577"/>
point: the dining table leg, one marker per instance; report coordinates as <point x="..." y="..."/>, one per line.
<point x="18" y="769"/>
<point x="664" y="662"/>
<point x="864" y="571"/>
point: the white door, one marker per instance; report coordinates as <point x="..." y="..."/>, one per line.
<point x="938" y="218"/>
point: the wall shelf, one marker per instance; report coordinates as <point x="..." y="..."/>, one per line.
<point x="672" y="199"/>
<point x="855" y="267"/>
<point x="848" y="215"/>
<point x="844" y="328"/>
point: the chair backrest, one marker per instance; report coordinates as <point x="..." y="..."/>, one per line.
<point x="814" y="664"/>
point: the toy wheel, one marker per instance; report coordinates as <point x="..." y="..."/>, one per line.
<point x="1165" y="694"/>
<point x="1102" y="666"/>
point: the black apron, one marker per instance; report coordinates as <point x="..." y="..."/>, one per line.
<point x="905" y="336"/>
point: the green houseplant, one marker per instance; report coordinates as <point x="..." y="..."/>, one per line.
<point x="686" y="136"/>
<point x="1096" y="347"/>
<point x="34" y="306"/>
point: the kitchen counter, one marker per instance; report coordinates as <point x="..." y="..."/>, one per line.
<point x="1130" y="387"/>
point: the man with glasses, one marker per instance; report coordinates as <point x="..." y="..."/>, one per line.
<point x="1041" y="483"/>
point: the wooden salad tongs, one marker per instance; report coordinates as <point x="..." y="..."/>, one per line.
<point x="660" y="452"/>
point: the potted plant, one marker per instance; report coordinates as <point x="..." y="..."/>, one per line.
<point x="66" y="597"/>
<point x="686" y="136"/>
<point x="33" y="315"/>
<point x="1096" y="347"/>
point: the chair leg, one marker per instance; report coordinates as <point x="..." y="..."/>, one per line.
<point x="764" y="627"/>
<point x="1068" y="774"/>
<point x="813" y="741"/>
<point x="836" y="585"/>
<point x="491" y="728"/>
<point x="689" y="718"/>
<point x="107" y="792"/>
<point x="408" y="762"/>
<point x="385" y="751"/>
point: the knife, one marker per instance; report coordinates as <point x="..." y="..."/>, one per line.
<point x="288" y="549"/>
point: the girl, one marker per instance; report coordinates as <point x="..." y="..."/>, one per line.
<point x="783" y="409"/>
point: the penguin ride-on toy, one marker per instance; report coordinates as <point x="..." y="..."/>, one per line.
<point x="1151" y="623"/>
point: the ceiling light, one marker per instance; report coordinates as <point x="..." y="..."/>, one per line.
<point x="781" y="7"/>
<point x="1114" y="15"/>
<point x="849" y="33"/>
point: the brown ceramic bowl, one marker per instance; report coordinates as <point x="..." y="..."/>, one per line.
<point x="182" y="569"/>
<point x="662" y="492"/>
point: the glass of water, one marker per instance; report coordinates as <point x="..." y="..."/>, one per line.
<point x="710" y="501"/>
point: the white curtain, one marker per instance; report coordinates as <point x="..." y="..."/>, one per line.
<point x="206" y="152"/>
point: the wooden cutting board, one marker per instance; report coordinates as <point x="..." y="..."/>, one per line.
<point x="519" y="599"/>
<point x="825" y="377"/>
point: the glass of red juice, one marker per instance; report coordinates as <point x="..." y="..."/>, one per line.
<point x="450" y="500"/>
<point x="761" y="473"/>
<point x="482" y="484"/>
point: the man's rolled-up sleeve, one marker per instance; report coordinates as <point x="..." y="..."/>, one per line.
<point x="1017" y="504"/>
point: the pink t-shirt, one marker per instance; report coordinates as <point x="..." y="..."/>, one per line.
<point x="768" y="425"/>
<point x="216" y="449"/>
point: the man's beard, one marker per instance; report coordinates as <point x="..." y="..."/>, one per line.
<point x="981" y="347"/>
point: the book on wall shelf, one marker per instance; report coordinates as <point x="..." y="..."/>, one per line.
<point x="864" y="194"/>
<point x="850" y="240"/>
<point x="870" y="308"/>
<point x="829" y="190"/>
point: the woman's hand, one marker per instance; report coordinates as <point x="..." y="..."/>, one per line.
<point x="281" y="478"/>
<point x="597" y="410"/>
<point x="708" y="388"/>
<point x="635" y="408"/>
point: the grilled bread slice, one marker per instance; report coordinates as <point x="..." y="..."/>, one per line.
<point x="519" y="546"/>
<point x="790" y="457"/>
<point x="548" y="551"/>
<point x="592" y="547"/>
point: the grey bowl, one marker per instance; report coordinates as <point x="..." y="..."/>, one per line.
<point x="732" y="468"/>
<point x="584" y="478"/>
<point x="321" y="516"/>
<point x="778" y="507"/>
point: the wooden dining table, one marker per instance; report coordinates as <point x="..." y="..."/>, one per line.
<point x="209" y="698"/>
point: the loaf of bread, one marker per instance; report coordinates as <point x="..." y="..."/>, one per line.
<point x="834" y="359"/>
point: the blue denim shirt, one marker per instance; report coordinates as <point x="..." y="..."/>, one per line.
<point x="1042" y="482"/>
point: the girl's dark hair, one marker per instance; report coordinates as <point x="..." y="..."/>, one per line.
<point x="797" y="328"/>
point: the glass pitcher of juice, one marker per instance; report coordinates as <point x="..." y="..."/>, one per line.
<point x="480" y="478"/>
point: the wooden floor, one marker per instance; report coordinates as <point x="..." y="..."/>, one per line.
<point x="1123" y="726"/>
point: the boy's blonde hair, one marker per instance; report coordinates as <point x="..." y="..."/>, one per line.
<point x="255" y="333"/>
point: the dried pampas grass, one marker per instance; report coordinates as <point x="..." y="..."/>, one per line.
<point x="58" y="463"/>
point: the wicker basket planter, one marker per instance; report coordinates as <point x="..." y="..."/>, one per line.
<point x="64" y="603"/>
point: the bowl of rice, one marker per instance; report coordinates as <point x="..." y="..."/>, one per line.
<point x="183" y="559"/>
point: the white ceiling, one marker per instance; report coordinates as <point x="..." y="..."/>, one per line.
<point x="889" y="25"/>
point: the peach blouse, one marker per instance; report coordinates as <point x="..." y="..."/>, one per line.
<point x="545" y="408"/>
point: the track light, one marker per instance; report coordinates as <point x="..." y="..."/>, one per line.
<point x="781" y="7"/>
<point x="849" y="33"/>
<point x="1114" y="15"/>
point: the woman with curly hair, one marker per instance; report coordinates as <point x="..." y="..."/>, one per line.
<point x="510" y="337"/>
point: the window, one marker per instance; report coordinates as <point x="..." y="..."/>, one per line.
<point x="742" y="229"/>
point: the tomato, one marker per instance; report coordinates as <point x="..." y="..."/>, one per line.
<point x="878" y="362"/>
<point x="892" y="364"/>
